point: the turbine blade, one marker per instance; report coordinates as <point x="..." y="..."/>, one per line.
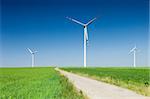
<point x="76" y="21"/>
<point x="90" y="21"/>
<point x="130" y="52"/>
<point x="133" y="49"/>
<point x="86" y="34"/>
<point x="30" y="50"/>
<point x="87" y="43"/>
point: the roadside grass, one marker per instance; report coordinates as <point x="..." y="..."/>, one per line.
<point x="35" y="83"/>
<point x="136" y="79"/>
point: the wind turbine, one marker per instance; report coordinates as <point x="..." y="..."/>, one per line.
<point x="134" y="50"/>
<point x="32" y="55"/>
<point x="85" y="34"/>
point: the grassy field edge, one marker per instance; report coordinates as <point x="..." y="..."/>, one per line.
<point x="35" y="83"/>
<point x="138" y="89"/>
<point x="74" y="89"/>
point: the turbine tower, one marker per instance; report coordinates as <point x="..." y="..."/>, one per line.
<point x="85" y="34"/>
<point x="32" y="55"/>
<point x="134" y="50"/>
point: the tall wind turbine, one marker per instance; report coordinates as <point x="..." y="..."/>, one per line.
<point x="85" y="34"/>
<point x="134" y="50"/>
<point x="32" y="55"/>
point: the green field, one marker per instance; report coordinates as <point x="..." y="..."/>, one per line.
<point x="35" y="83"/>
<point x="136" y="79"/>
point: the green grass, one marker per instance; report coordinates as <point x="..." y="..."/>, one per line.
<point x="35" y="83"/>
<point x="136" y="79"/>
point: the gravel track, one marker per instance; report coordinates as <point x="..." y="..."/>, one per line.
<point x="94" y="89"/>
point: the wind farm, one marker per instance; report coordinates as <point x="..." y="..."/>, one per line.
<point x="74" y="49"/>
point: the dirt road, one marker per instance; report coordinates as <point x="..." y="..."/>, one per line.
<point x="99" y="90"/>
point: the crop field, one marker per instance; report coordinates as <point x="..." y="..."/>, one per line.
<point x="136" y="79"/>
<point x="35" y="83"/>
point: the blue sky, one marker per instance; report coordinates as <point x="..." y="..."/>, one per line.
<point x="41" y="25"/>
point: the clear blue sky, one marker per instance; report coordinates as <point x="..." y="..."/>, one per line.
<point x="41" y="25"/>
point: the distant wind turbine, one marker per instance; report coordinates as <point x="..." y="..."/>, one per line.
<point x="134" y="50"/>
<point x="32" y="55"/>
<point x="85" y="34"/>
